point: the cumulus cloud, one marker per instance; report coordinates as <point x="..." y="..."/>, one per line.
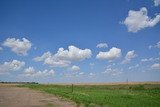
<point x="112" y="72"/>
<point x="75" y="68"/>
<point x="18" y="46"/>
<point x="137" y="20"/>
<point x="50" y="59"/>
<point x="155" y="66"/>
<point x="102" y="45"/>
<point x="31" y="72"/>
<point x="63" y="58"/>
<point x="112" y="54"/>
<point x="157" y="45"/>
<point x="156" y="2"/>
<point x="13" y="65"/>
<point x="73" y="53"/>
<point x="130" y="55"/>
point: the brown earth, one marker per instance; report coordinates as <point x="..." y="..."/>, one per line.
<point x="12" y="96"/>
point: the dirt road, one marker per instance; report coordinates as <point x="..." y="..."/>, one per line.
<point x="23" y="97"/>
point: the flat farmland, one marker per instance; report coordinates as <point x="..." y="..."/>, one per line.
<point x="135" y="94"/>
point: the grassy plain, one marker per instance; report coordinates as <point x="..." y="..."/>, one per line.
<point x="113" y="95"/>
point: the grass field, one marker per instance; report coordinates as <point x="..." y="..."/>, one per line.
<point x="135" y="95"/>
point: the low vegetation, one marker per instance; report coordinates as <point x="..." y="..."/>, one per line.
<point x="146" y="95"/>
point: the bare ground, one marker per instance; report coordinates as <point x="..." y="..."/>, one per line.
<point x="11" y="96"/>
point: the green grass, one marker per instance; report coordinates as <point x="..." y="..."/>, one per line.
<point x="146" y="95"/>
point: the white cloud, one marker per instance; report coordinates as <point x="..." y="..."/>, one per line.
<point x="156" y="2"/>
<point x="31" y="72"/>
<point x="18" y="46"/>
<point x="75" y="68"/>
<point x="91" y="74"/>
<point x="155" y="66"/>
<point x="157" y="45"/>
<point x="130" y="55"/>
<point x="138" y="20"/>
<point x="51" y="60"/>
<point x="63" y="58"/>
<point x="54" y="62"/>
<point x="150" y="59"/>
<point x="112" y="54"/>
<point x="13" y="65"/>
<point x="73" y="53"/>
<point x="102" y="45"/>
<point x="112" y="72"/>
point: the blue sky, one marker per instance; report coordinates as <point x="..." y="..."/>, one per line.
<point x="79" y="40"/>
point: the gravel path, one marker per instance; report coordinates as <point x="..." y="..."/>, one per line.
<point x="24" y="97"/>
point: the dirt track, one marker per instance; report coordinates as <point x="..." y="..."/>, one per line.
<point x="23" y="97"/>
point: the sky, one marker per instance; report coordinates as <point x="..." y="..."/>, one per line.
<point x="79" y="41"/>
